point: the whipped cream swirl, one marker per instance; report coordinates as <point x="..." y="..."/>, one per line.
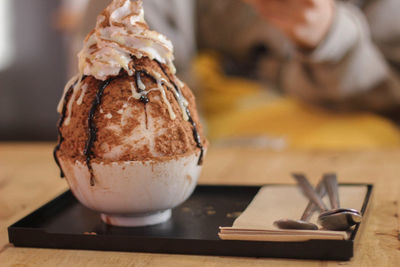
<point x="120" y="33"/>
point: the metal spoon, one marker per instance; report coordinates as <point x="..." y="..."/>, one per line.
<point x="337" y="218"/>
<point x="330" y="220"/>
<point x="303" y="223"/>
<point x="309" y="191"/>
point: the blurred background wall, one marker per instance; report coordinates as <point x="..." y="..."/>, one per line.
<point x="32" y="69"/>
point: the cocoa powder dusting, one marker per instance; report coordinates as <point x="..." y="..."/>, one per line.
<point x="138" y="131"/>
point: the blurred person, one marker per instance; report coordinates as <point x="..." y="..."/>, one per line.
<point x="341" y="58"/>
<point x="335" y="55"/>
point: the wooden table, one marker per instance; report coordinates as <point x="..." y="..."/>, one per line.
<point x="29" y="178"/>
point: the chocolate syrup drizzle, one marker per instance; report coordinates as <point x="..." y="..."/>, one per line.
<point x="144" y="99"/>
<point x="60" y="123"/>
<point x="196" y="134"/>
<point x="196" y="137"/>
<point x="92" y="130"/>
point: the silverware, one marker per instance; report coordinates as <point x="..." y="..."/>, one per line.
<point x="337" y="218"/>
<point x="303" y="223"/>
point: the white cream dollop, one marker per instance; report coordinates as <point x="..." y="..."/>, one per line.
<point x="120" y="33"/>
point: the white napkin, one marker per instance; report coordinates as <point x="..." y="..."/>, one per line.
<point x="274" y="202"/>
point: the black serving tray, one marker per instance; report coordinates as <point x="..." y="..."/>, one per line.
<point x="64" y="223"/>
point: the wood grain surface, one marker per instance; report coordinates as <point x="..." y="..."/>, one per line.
<point x="29" y="178"/>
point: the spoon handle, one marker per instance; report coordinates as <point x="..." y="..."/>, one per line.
<point x="332" y="188"/>
<point x="309" y="191"/>
<point x="321" y="191"/>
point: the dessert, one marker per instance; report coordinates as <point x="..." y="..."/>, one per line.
<point x="130" y="142"/>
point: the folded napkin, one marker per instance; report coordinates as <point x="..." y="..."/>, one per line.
<point x="274" y="202"/>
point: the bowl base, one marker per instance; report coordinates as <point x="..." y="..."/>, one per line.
<point x="136" y="221"/>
